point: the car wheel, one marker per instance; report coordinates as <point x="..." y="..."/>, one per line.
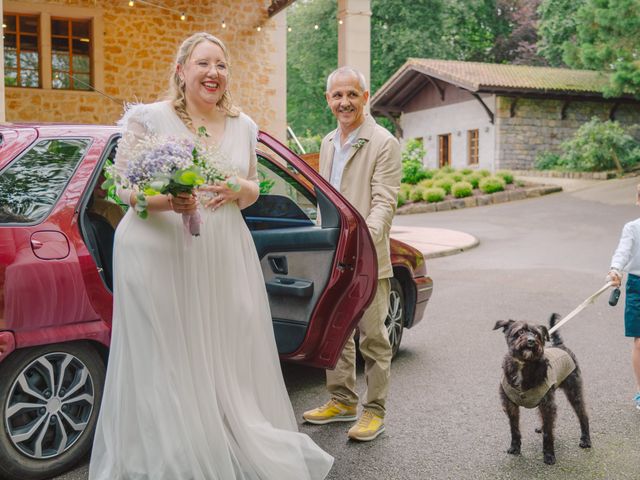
<point x="49" y="399"/>
<point x="396" y="316"/>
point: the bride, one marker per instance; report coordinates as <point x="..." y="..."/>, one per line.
<point x="194" y="389"/>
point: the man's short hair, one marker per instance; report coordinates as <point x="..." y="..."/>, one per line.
<point x="347" y="71"/>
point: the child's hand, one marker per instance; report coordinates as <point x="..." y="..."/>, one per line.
<point x="614" y="277"/>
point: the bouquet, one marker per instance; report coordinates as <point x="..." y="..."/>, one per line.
<point x="166" y="165"/>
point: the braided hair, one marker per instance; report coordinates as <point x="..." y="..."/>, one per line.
<point x="176" y="93"/>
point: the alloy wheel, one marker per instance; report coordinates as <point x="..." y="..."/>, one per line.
<point x="395" y="316"/>
<point x="49" y="405"/>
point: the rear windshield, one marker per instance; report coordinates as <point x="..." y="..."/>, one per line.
<point x="31" y="184"/>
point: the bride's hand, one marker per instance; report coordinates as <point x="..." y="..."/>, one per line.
<point x="221" y="194"/>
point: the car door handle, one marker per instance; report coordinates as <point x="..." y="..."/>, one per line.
<point x="291" y="287"/>
<point x="35" y="244"/>
<point x="278" y="264"/>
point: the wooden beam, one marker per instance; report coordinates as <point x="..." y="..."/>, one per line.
<point x="612" y="112"/>
<point x="563" y="110"/>
<point x="278" y="5"/>
<point x="484" y="105"/>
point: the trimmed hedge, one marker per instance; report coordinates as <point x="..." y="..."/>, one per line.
<point x="492" y="184"/>
<point x="434" y="194"/>
<point x="462" y="189"/>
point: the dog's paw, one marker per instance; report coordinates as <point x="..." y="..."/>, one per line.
<point x="585" y="443"/>
<point x="549" y="458"/>
<point x="514" y="450"/>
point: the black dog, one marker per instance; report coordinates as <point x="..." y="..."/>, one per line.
<point x="531" y="375"/>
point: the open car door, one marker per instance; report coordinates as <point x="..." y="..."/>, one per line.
<point x="317" y="257"/>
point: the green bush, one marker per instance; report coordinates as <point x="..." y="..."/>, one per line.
<point x="439" y="174"/>
<point x="462" y="189"/>
<point x="426" y="183"/>
<point x="403" y="196"/>
<point x="506" y="175"/>
<point x="484" y="172"/>
<point x="412" y="168"/>
<point x="434" y="194"/>
<point x="447" y="169"/>
<point x="546" y="161"/>
<point x="492" y="184"/>
<point x="417" y="194"/>
<point x="310" y="143"/>
<point x="466" y="171"/>
<point x="413" y="151"/>
<point x="456" y="176"/>
<point x="473" y="179"/>
<point x="598" y="146"/>
<point x="405" y="189"/>
<point x="444" y="183"/>
<point x="412" y="172"/>
<point x="595" y="147"/>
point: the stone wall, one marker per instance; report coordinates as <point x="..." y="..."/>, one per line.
<point x="537" y="126"/>
<point x="134" y="53"/>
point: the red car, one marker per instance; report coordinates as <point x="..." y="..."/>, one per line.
<point x="56" y="242"/>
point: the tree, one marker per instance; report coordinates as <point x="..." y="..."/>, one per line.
<point x="311" y="55"/>
<point x="557" y="26"/>
<point x="608" y="33"/>
<point x="516" y="32"/>
<point x="594" y="35"/>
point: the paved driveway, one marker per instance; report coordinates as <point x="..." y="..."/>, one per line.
<point x="444" y="420"/>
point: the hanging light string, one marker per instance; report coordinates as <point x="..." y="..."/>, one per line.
<point x="182" y="14"/>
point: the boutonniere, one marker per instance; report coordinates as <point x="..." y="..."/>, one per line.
<point x="361" y="141"/>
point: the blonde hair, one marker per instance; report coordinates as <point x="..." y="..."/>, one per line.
<point x="176" y="93"/>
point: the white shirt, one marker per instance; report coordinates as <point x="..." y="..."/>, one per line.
<point x="627" y="255"/>
<point x="340" y="155"/>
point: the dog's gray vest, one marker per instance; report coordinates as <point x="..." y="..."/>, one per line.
<point x="560" y="367"/>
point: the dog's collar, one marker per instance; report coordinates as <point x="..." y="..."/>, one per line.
<point x="560" y="367"/>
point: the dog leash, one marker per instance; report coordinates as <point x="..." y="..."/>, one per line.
<point x="580" y="307"/>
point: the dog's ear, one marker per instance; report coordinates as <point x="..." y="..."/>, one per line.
<point x="545" y="333"/>
<point x="503" y="324"/>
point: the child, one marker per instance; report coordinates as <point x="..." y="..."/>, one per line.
<point x="627" y="258"/>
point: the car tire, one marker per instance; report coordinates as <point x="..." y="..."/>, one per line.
<point x="60" y="389"/>
<point x="395" y="321"/>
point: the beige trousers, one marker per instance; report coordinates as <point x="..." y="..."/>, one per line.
<point x="376" y="351"/>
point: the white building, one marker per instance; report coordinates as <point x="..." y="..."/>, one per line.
<point x="494" y="116"/>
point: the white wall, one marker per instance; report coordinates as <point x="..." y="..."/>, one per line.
<point x="455" y="119"/>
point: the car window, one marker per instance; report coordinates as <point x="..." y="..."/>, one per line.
<point x="31" y="184"/>
<point x="282" y="196"/>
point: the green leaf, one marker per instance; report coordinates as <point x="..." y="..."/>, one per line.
<point x="107" y="184"/>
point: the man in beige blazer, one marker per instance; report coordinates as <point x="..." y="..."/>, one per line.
<point x="361" y="159"/>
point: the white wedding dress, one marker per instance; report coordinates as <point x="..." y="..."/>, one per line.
<point x="194" y="389"/>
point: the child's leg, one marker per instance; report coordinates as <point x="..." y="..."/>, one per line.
<point x="635" y="360"/>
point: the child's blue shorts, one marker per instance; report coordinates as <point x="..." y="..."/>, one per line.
<point x="632" y="307"/>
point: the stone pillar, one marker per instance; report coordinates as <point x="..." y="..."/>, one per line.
<point x="2" y="116"/>
<point x="354" y="35"/>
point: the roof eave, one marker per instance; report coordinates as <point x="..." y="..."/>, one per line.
<point x="277" y="6"/>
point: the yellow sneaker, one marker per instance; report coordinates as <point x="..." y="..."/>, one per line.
<point x="368" y="427"/>
<point x="332" y="411"/>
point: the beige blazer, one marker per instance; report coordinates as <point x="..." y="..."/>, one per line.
<point x="370" y="182"/>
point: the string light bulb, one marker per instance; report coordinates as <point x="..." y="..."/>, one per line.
<point x="259" y="28"/>
<point x="289" y="29"/>
<point x="131" y="3"/>
<point x="340" y="22"/>
<point x="183" y="17"/>
<point x="316" y="26"/>
<point x="224" y="25"/>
